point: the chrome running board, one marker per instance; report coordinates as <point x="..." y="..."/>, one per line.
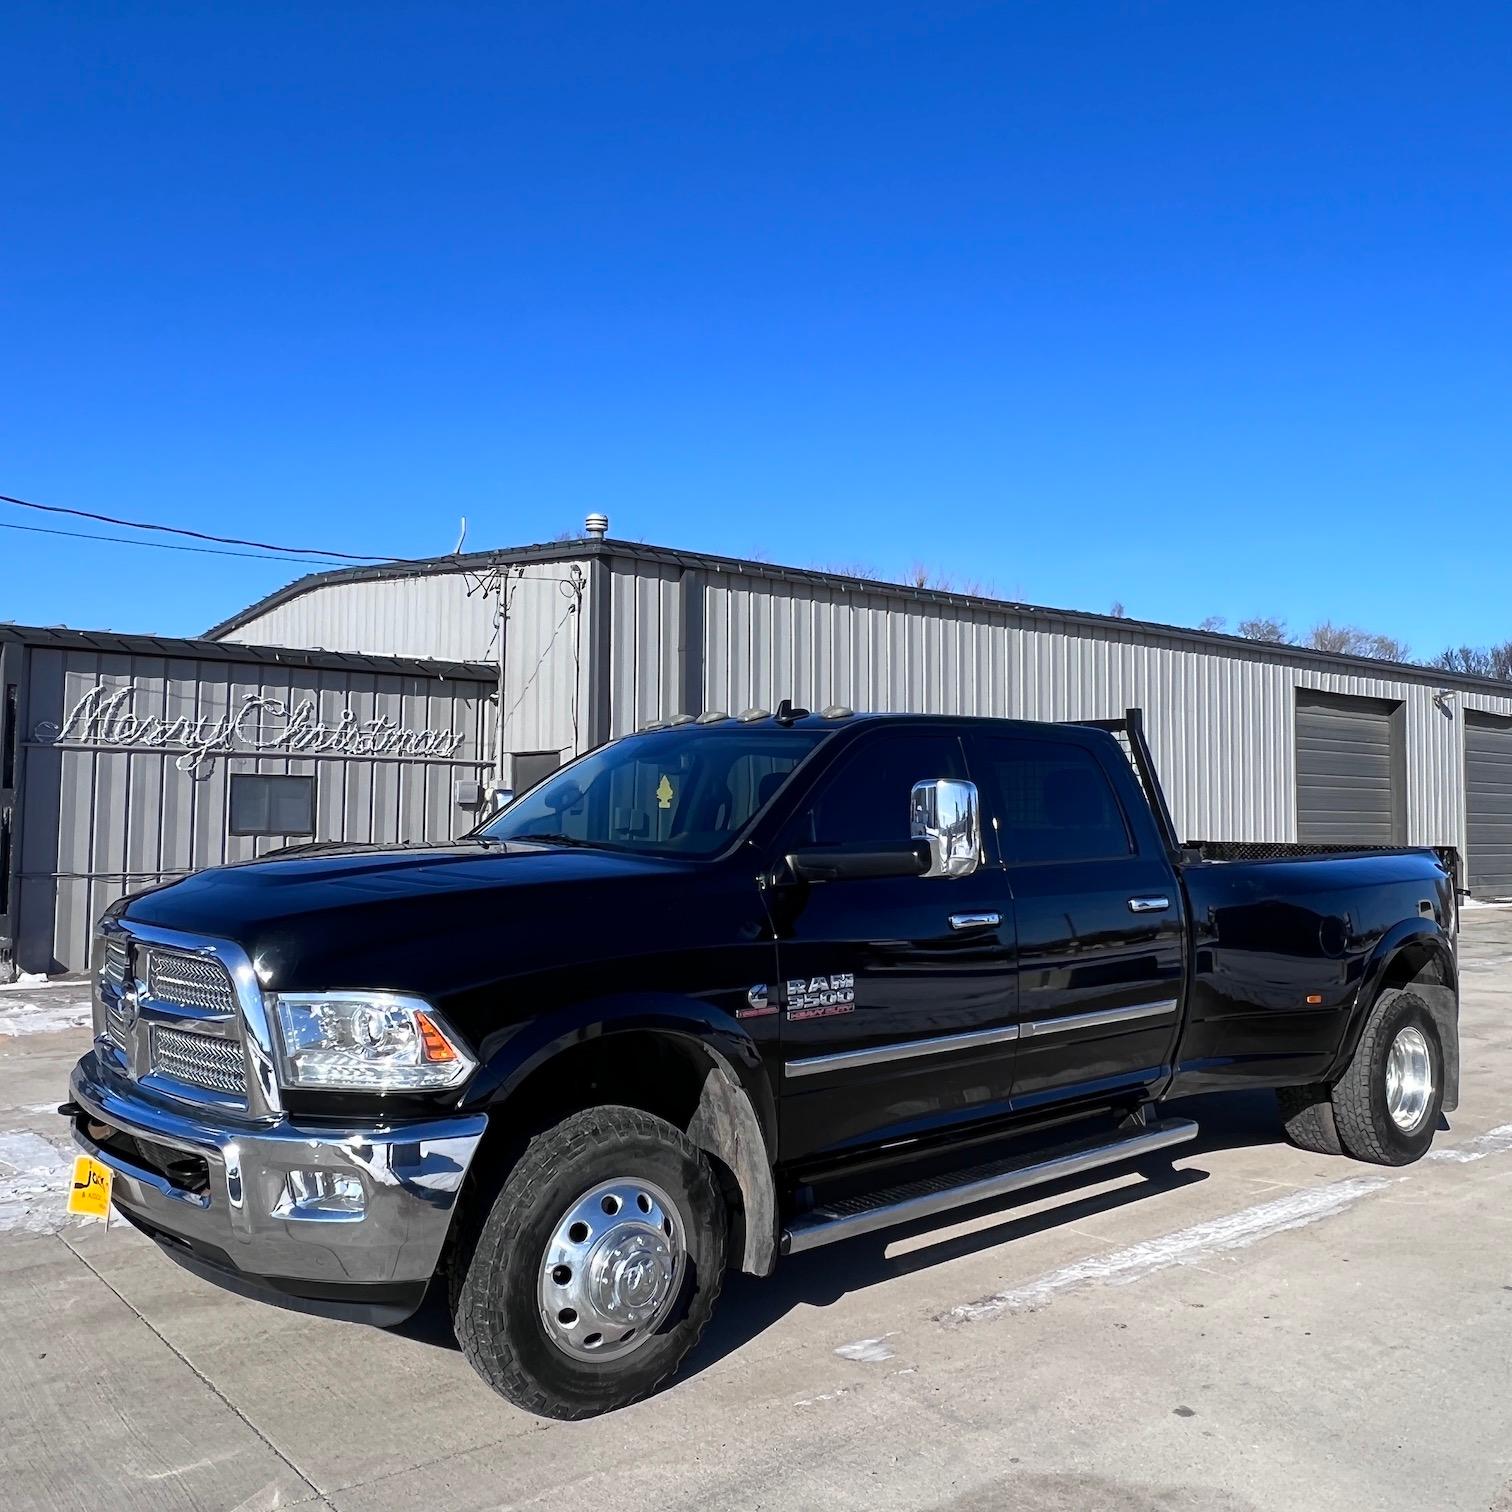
<point x="831" y="1222"/>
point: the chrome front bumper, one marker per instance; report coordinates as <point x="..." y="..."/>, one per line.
<point x="234" y="1222"/>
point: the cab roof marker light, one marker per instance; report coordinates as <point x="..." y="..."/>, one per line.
<point x="837" y="711"/>
<point x="712" y="716"/>
<point x="750" y="716"/>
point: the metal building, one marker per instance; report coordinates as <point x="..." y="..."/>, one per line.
<point x="126" y="760"/>
<point x="592" y="638"/>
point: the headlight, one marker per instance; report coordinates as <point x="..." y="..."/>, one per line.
<point x="367" y="1041"/>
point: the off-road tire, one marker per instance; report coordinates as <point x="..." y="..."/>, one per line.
<point x="1308" y="1116"/>
<point x="1366" y="1129"/>
<point x="493" y="1276"/>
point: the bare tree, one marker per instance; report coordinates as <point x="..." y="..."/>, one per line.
<point x="1350" y="640"/>
<point x="1339" y="639"/>
<point x="1477" y="661"/>
<point x="1389" y="648"/>
<point x="1117" y="610"/>
<point x="1273" y="630"/>
<point x="1214" y="624"/>
<point x="922" y="576"/>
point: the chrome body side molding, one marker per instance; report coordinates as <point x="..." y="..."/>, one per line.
<point x="1069" y="1023"/>
<point x="876" y="1055"/>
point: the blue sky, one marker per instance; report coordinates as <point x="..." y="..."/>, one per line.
<point x="1203" y="308"/>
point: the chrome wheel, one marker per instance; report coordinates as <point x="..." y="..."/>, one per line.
<point x="1409" y="1079"/>
<point x="612" y="1269"/>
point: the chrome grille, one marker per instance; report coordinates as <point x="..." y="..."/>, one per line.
<point x="113" y="966"/>
<point x="202" y="1060"/>
<point x="189" y="982"/>
<point x="117" y="1030"/>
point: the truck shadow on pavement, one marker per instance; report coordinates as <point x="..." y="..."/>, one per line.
<point x="749" y="1305"/>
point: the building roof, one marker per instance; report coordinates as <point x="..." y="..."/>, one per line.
<point x="110" y="642"/>
<point x="1071" y="619"/>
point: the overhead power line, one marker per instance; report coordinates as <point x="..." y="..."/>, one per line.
<point x="85" y="535"/>
<point x="198" y="535"/>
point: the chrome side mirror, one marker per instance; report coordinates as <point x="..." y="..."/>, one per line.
<point x="946" y="814"/>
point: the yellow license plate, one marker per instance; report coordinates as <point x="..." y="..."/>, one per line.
<point x="90" y="1191"/>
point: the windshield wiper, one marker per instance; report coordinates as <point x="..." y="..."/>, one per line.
<point x="556" y="839"/>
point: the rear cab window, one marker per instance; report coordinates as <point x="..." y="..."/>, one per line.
<point x="1049" y="801"/>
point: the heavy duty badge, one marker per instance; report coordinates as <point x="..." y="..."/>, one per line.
<point x="821" y="996"/>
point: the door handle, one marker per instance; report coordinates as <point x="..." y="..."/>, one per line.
<point x="1154" y="903"/>
<point x="975" y="920"/>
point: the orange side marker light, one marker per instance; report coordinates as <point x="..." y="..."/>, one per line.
<point x="437" y="1046"/>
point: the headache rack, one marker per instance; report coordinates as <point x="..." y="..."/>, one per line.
<point x="1129" y="732"/>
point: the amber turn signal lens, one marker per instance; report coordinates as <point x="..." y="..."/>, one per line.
<point x="437" y="1046"/>
<point x="1313" y="999"/>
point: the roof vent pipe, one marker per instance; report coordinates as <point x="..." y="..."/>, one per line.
<point x="597" y="526"/>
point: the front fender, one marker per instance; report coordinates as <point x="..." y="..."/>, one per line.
<point x="509" y="1058"/>
<point x="735" y="1119"/>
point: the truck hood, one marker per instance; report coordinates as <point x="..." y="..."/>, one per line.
<point x="324" y="916"/>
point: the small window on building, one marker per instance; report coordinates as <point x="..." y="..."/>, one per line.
<point x="531" y="767"/>
<point x="267" y="805"/>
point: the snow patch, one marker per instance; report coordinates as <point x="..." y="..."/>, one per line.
<point x="34" y="1179"/>
<point x="824" y="1396"/>
<point x="867" y="1351"/>
<point x="1184" y="1247"/>
<point x="30" y="979"/>
<point x="56" y="1017"/>
<point x="1494" y="1142"/>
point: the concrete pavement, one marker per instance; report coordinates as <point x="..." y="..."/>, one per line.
<point x="1249" y="1327"/>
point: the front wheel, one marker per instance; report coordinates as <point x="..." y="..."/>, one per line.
<point x="597" y="1266"/>
<point x="1386" y="1105"/>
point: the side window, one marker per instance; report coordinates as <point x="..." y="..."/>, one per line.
<point x="1051" y="802"/>
<point x="756" y="777"/>
<point x="865" y="800"/>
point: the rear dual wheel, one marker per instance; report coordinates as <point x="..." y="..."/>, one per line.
<point x="1385" y="1107"/>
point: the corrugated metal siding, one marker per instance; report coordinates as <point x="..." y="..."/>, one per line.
<point x="453" y="616"/>
<point x="646" y="602"/>
<point x="1220" y="722"/>
<point x="97" y="822"/>
<point x="546" y="663"/>
<point x="433" y="616"/>
<point x="1221" y="718"/>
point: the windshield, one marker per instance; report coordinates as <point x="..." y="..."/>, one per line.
<point x="684" y="792"/>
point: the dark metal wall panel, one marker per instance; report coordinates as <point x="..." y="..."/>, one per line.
<point x="1349" y="765"/>
<point x="100" y="815"/>
<point x="1488" y="804"/>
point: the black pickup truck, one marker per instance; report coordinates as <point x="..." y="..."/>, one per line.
<point x="718" y="992"/>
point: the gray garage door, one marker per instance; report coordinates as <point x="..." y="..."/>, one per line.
<point x="1349" y="781"/>
<point x="1488" y="803"/>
